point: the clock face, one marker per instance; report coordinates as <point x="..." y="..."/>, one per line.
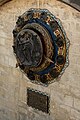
<point x="40" y="45"/>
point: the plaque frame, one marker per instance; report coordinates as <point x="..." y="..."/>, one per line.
<point x="38" y="94"/>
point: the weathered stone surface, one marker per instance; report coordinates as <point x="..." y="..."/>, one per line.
<point x="68" y="100"/>
<point x="77" y="104"/>
<point x="13" y="83"/>
<point x="75" y="114"/>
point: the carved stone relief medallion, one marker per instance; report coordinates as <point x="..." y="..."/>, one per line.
<point x="40" y="45"/>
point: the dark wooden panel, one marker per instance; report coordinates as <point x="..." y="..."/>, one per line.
<point x="73" y="3"/>
<point x="38" y="100"/>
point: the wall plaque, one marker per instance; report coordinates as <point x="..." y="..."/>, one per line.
<point x="41" y="46"/>
<point x="38" y="100"/>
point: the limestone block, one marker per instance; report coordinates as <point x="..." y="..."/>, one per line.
<point x="2" y="41"/>
<point x="75" y="92"/>
<point x="2" y="49"/>
<point x="78" y="27"/>
<point x="6" y="51"/>
<point x="68" y="100"/>
<point x="67" y="108"/>
<point x="78" y="60"/>
<point x="7" y="114"/>
<point x="73" y="58"/>
<point x="16" y="73"/>
<point x="77" y="104"/>
<point x="23" y="116"/>
<point x="56" y="99"/>
<point x="75" y="114"/>
<point x="2" y="33"/>
<point x="1" y="59"/>
<point x="6" y="60"/>
<point x="74" y="48"/>
<point x="64" y="89"/>
<point x="61" y="114"/>
<point x="74" y="80"/>
<point x="2" y="92"/>
<point x="32" y="114"/>
<point x="76" y="15"/>
<point x="75" y="36"/>
<point x="74" y="69"/>
<point x="12" y="62"/>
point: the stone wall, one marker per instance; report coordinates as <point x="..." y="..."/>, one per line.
<point x="65" y="93"/>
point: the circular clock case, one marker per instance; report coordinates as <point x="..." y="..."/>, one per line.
<point x="41" y="46"/>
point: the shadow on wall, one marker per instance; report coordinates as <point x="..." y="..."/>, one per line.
<point x="73" y="3"/>
<point x="3" y="1"/>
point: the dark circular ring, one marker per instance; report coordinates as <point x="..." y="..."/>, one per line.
<point x="46" y="42"/>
